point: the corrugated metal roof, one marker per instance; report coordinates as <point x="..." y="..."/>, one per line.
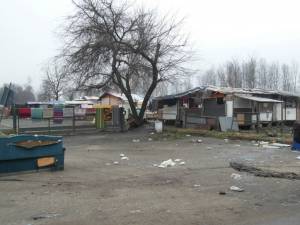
<point x="258" y="99"/>
<point x="228" y="90"/>
<point x="181" y="94"/>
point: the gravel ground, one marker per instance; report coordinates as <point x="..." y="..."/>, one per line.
<point x="93" y="190"/>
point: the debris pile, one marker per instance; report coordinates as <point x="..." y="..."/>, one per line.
<point x="264" y="172"/>
<point x="237" y="189"/>
<point x="236" y="176"/>
<point x="170" y="163"/>
<point x="268" y="145"/>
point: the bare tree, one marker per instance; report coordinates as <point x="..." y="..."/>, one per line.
<point x="273" y="76"/>
<point x="249" y="73"/>
<point x="234" y="73"/>
<point x="221" y="76"/>
<point x="209" y="77"/>
<point x="286" y="78"/>
<point x="22" y="94"/>
<point x="262" y="73"/>
<point x="294" y="73"/>
<point x="54" y="84"/>
<point x="113" y="43"/>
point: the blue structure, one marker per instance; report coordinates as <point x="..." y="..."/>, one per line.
<point x="296" y="146"/>
<point x="31" y="152"/>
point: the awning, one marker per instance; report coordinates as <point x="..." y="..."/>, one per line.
<point x="258" y="99"/>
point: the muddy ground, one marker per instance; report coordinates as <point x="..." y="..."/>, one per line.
<point x="92" y="190"/>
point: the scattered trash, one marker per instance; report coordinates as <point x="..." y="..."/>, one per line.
<point x="122" y="155"/>
<point x="182" y="163"/>
<point x="136" y="140"/>
<point x="116" y="162"/>
<point x="199" y="141"/>
<point x="152" y="133"/>
<point x="177" y="160"/>
<point x="270" y="147"/>
<point x="167" y="163"/>
<point x="236" y="176"/>
<point x="237" y="145"/>
<point x="209" y="148"/>
<point x="298" y="157"/>
<point x="280" y="145"/>
<point x="237" y="189"/>
<point x="155" y="165"/>
<point x="222" y="193"/>
<point x="187" y="135"/>
<point x="150" y="139"/>
<point x="197" y="185"/>
<point x="46" y="216"/>
<point x="124" y="158"/>
<point x="263" y="143"/>
<point x="107" y="164"/>
<point x="226" y="140"/>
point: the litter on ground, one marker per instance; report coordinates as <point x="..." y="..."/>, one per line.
<point x="122" y="155"/>
<point x="280" y="145"/>
<point x="236" y="176"/>
<point x="270" y="146"/>
<point x="136" y="140"/>
<point x="124" y="158"/>
<point x="237" y="189"/>
<point x="46" y="216"/>
<point x="263" y="143"/>
<point x="116" y="162"/>
<point x="177" y="160"/>
<point x="182" y="163"/>
<point x="167" y="163"/>
<point x="226" y="140"/>
<point x="298" y="157"/>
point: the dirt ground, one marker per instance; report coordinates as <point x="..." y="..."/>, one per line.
<point x="93" y="190"/>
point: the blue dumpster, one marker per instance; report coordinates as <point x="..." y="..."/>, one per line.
<point x="31" y="152"/>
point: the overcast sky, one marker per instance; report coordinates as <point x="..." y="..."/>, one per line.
<point x="218" y="29"/>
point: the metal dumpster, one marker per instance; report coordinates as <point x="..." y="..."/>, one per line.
<point x="31" y="152"/>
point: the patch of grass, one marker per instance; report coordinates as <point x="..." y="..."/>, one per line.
<point x="242" y="135"/>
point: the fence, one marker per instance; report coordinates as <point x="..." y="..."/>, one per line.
<point x="191" y="118"/>
<point x="63" y="119"/>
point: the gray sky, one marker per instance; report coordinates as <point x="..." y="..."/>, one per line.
<point x="219" y="30"/>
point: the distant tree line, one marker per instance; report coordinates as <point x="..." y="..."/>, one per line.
<point x="22" y="93"/>
<point x="253" y="73"/>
